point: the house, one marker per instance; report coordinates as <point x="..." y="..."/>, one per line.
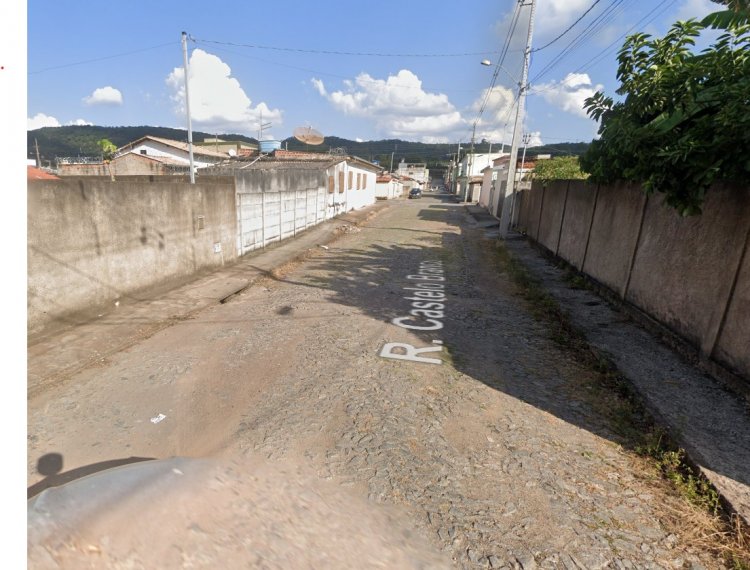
<point x="286" y="192"/>
<point x="128" y="164"/>
<point x="470" y="174"/>
<point x="388" y="187"/>
<point x="231" y="148"/>
<point x="417" y="171"/>
<point x="147" y="156"/>
<point x="177" y="151"/>
<point x="495" y="179"/>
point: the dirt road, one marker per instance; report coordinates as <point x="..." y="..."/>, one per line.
<point x="486" y="445"/>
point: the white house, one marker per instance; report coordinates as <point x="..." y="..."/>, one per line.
<point x="177" y="151"/>
<point x="471" y="168"/>
<point x="388" y="187"/>
<point x="417" y="171"/>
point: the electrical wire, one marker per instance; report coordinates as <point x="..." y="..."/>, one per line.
<point x="596" y="59"/>
<point x="569" y="27"/>
<point x="106" y="57"/>
<point x="498" y="66"/>
<point x="587" y="33"/>
<point x="334" y="52"/>
<point x="644" y="21"/>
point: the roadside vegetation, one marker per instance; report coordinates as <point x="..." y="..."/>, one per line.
<point x="684" y="119"/>
<point x="702" y="518"/>
<point x="559" y="168"/>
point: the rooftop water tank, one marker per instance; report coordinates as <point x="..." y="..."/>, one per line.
<point x="269" y="146"/>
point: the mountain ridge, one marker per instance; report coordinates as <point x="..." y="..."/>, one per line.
<point x="81" y="140"/>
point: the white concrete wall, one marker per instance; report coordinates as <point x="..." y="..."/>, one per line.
<point x="154" y="148"/>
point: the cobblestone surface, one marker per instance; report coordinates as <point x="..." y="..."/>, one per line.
<point x="494" y="455"/>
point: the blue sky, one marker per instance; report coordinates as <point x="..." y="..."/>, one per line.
<point x="403" y="91"/>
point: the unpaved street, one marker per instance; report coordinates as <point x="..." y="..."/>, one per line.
<point x="493" y="453"/>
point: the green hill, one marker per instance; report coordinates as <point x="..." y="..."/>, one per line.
<point x="82" y="141"/>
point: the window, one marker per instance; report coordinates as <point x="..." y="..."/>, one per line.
<point x="341" y="182"/>
<point x="331" y="184"/>
<point x="351" y="180"/>
<point x="359" y="181"/>
<point x="364" y="181"/>
<point x="144" y="151"/>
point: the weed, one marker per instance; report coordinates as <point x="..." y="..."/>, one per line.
<point x="608" y="392"/>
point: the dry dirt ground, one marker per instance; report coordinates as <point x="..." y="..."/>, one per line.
<point x="492" y="456"/>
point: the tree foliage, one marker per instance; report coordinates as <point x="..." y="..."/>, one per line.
<point x="108" y="148"/>
<point x="684" y="122"/>
<point x="559" y="168"/>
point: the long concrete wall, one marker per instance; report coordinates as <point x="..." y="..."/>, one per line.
<point x="91" y="241"/>
<point x="690" y="274"/>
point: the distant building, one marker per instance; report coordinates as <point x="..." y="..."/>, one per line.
<point x="178" y="151"/>
<point x="347" y="182"/>
<point x="470" y="173"/>
<point x="231" y="148"/>
<point x="388" y="186"/>
<point x="417" y="171"/>
<point x="147" y="156"/>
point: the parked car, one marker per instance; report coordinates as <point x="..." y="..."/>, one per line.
<point x="415" y="193"/>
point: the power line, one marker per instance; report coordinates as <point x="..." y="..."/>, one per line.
<point x="644" y="21"/>
<point x="593" y="27"/>
<point x="593" y="61"/>
<point x="343" y="77"/>
<point x="498" y="66"/>
<point x="103" y="58"/>
<point x="569" y="28"/>
<point x="335" y="52"/>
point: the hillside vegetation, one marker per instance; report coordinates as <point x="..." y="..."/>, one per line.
<point x="83" y="141"/>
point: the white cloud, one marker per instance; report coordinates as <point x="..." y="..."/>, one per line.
<point x="398" y="105"/>
<point x="498" y="117"/>
<point x="535" y="138"/>
<point x="696" y="9"/>
<point x="80" y="123"/>
<point x="570" y="93"/>
<point x="41" y="120"/>
<point x="104" y="96"/>
<point x="217" y="101"/>
<point x="551" y="18"/>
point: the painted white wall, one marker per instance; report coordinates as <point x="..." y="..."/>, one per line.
<point x="389" y="190"/>
<point x="484" y="195"/>
<point x="350" y="198"/>
<point x="155" y="148"/>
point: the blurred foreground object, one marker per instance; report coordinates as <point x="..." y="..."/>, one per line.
<point x="206" y="513"/>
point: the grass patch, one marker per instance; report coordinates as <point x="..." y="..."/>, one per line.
<point x="703" y="521"/>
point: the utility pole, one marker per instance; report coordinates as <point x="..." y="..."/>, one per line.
<point x="187" y="108"/>
<point x="458" y="170"/>
<point x="510" y="193"/>
<point x="470" y="164"/>
<point x="526" y="141"/>
<point x="38" y="158"/>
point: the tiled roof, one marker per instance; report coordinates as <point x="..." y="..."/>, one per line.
<point x="34" y="173"/>
<point x="197" y="150"/>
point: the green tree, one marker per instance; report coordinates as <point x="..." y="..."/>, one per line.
<point x="684" y="122"/>
<point x="559" y="168"/>
<point x="108" y="148"/>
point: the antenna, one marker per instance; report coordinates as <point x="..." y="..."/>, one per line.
<point x="308" y="135"/>
<point x="262" y="127"/>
